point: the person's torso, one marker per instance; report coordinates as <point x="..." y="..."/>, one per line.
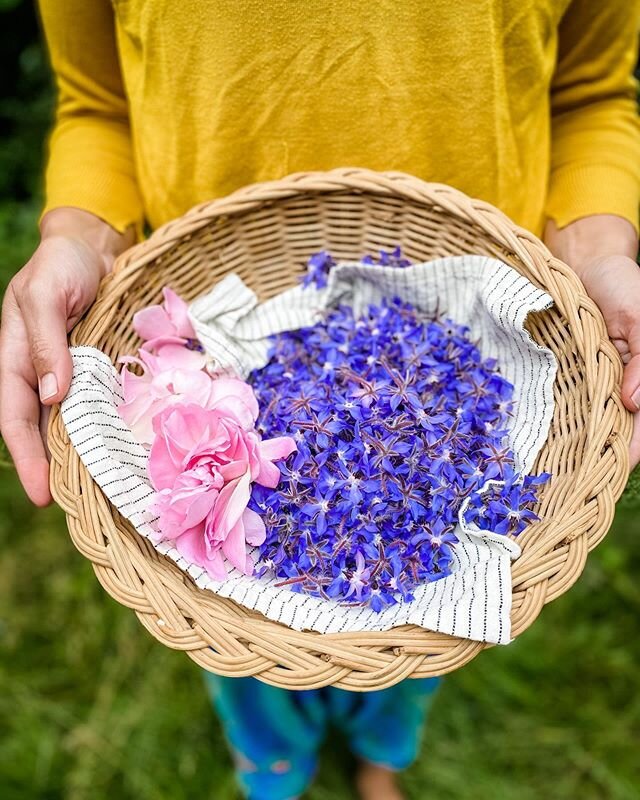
<point x="223" y="93"/>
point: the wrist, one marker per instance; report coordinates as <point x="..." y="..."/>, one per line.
<point x="89" y="231"/>
<point x="592" y="240"/>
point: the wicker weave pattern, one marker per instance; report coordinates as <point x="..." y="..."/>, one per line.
<point x="265" y="233"/>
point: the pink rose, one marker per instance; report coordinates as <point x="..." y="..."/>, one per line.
<point x="158" y="387"/>
<point x="167" y="381"/>
<point x="202" y="464"/>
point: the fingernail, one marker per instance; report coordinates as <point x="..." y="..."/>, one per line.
<point x="48" y="386"/>
<point x="635" y="398"/>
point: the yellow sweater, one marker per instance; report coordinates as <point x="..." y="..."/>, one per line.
<point x="165" y="103"/>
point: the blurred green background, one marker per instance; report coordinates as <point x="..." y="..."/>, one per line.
<point x="92" y="709"/>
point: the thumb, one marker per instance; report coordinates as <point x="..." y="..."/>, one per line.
<point x="631" y="379"/>
<point x="45" y="320"/>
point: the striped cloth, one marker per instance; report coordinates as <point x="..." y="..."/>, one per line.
<point x="490" y="297"/>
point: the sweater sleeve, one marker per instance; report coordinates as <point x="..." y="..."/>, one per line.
<point x="90" y="163"/>
<point x="595" y="134"/>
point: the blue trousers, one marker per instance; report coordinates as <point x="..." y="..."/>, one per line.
<point x="275" y="734"/>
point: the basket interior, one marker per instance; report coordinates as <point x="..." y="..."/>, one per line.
<point x="268" y="248"/>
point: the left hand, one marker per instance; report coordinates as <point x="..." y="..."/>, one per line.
<point x="600" y="249"/>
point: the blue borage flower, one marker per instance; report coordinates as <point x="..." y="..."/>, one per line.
<point x="398" y="419"/>
<point x="320" y="264"/>
<point x="506" y="507"/>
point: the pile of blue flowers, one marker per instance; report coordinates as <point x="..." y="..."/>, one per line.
<point x="398" y="419"/>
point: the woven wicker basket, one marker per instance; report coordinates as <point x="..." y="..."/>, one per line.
<point x="265" y="233"/>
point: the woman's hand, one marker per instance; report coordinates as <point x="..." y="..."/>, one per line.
<point x="602" y="250"/>
<point x="42" y="303"/>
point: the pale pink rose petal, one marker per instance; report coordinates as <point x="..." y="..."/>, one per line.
<point x="278" y="447"/>
<point x="145" y="359"/>
<point x="182" y="431"/>
<point x="132" y="384"/>
<point x="268" y="475"/>
<point x="138" y="406"/>
<point x="192" y="386"/>
<point x="233" y="470"/>
<point x="212" y="543"/>
<point x="254" y="529"/>
<point x="236" y="398"/>
<point x="178" y="312"/>
<point x="137" y="414"/>
<point x="215" y="566"/>
<point x="171" y="515"/>
<point x="166" y="457"/>
<point x="152" y="322"/>
<point x="169" y="524"/>
<point x="247" y="450"/>
<point x="208" y="435"/>
<point x="272" y="450"/>
<point x="179" y="430"/>
<point x="242" y="444"/>
<point x="145" y="399"/>
<point x="235" y="548"/>
<point x="231" y="503"/>
<point x="171" y="353"/>
<point x="191" y="545"/>
<point x="170" y="319"/>
<point x="200" y="502"/>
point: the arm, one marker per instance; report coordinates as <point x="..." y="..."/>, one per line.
<point x="92" y="208"/>
<point x="594" y="183"/>
<point x="42" y="303"/>
<point x="91" y="164"/>
<point x="595" y="131"/>
<point x="602" y="249"/>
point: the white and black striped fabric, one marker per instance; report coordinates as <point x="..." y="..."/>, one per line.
<point x="483" y="293"/>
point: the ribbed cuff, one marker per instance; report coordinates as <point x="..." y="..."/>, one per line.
<point x="114" y="200"/>
<point x="91" y="167"/>
<point x="580" y="190"/>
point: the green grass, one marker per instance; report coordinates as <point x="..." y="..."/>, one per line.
<point x="91" y="708"/>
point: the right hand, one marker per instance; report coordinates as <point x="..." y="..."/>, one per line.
<point x="41" y="305"/>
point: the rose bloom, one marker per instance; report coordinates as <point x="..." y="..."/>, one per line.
<point x="202" y="464"/>
<point x="165" y="382"/>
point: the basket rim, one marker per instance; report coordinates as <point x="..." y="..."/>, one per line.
<point x="358" y="180"/>
<point x="140" y="578"/>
